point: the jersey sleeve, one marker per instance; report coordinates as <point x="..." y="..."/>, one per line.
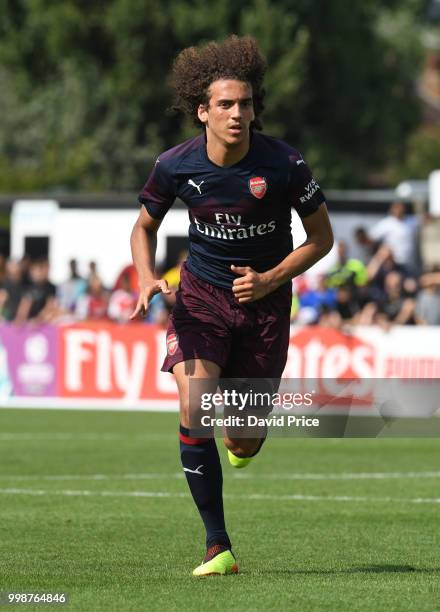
<point x="305" y="194"/>
<point x="159" y="192"/>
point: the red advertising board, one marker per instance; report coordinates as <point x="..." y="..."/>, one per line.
<point x="319" y="352"/>
<point x="109" y="361"/>
<point x="103" y="364"/>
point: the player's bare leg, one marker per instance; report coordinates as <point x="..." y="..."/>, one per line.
<point x="196" y="369"/>
<point x="245" y="442"/>
<point x="242" y="447"/>
<point x="242" y="450"/>
<point x="202" y="467"/>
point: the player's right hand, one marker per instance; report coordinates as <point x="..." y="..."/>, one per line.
<point x="145" y="295"/>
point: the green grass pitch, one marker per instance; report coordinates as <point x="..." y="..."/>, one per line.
<point x="94" y="504"/>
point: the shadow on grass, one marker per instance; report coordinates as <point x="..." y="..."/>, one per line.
<point x="362" y="569"/>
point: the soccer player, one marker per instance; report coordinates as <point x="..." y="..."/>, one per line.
<point x="232" y="312"/>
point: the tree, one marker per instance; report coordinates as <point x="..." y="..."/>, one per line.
<point x="84" y="85"/>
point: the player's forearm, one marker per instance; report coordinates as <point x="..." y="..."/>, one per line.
<point x="297" y="262"/>
<point x="143" y="249"/>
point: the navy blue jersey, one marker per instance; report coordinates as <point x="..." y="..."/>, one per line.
<point x="239" y="214"/>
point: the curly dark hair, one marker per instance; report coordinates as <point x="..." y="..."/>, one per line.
<point x="195" y="68"/>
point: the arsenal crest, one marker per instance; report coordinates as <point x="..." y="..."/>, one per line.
<point x="258" y="186"/>
<point x="172" y="344"/>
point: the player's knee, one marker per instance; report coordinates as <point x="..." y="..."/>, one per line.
<point x="184" y="414"/>
<point x="190" y="415"/>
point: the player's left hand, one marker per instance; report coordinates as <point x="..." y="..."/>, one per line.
<point x="250" y="285"/>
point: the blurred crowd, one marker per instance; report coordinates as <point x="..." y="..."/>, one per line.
<point x="378" y="280"/>
<point x="382" y="283"/>
<point x="27" y="294"/>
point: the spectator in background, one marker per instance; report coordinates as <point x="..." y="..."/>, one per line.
<point x="363" y="245"/>
<point x="347" y="271"/>
<point x="158" y="311"/>
<point x="130" y="271"/>
<point x="3" y="272"/>
<point x="316" y="299"/>
<point x="161" y="303"/>
<point x="12" y="290"/>
<point x="395" y="306"/>
<point x="93" y="269"/>
<point x="347" y="303"/>
<point x="39" y="301"/>
<point x="172" y="276"/>
<point x="70" y="290"/>
<point x="427" y="309"/>
<point x="380" y="265"/>
<point x="400" y="235"/>
<point x="93" y="305"/>
<point x="25" y="263"/>
<point x="122" y="301"/>
<point x="350" y="278"/>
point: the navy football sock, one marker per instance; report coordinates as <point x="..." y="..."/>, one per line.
<point x="203" y="471"/>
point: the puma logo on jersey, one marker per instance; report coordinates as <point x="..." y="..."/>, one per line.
<point x="193" y="184"/>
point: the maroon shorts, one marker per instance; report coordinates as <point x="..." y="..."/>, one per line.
<point x="245" y="340"/>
